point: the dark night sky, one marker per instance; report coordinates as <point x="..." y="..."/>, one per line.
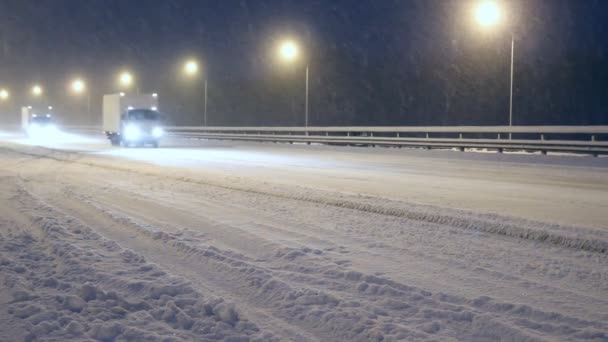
<point x="373" y="62"/>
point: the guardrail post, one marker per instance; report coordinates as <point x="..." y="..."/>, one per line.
<point x="592" y="137"/>
<point x="427" y="135"/>
<point x="459" y="135"/>
<point x="542" y="137"/>
<point x="498" y="136"/>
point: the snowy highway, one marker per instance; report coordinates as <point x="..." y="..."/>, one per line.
<point x="211" y="241"/>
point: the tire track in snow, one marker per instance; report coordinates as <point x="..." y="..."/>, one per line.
<point x="444" y="306"/>
<point x="494" y="224"/>
<point x="68" y="282"/>
<point x="189" y="203"/>
<point x="539" y="322"/>
<point x="545" y="285"/>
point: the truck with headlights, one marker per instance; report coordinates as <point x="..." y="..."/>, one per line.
<point x="132" y="120"/>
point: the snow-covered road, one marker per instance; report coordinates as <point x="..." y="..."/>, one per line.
<point x="228" y="241"/>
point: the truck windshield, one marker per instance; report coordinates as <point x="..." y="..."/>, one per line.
<point x="143" y="114"/>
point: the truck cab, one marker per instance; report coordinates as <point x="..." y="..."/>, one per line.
<point x="140" y="127"/>
<point x="132" y="120"/>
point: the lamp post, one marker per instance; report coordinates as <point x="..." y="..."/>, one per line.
<point x="191" y="70"/>
<point x="488" y="13"/>
<point x="289" y="52"/>
<point x="78" y="87"/>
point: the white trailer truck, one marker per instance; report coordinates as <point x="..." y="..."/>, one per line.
<point x="132" y="119"/>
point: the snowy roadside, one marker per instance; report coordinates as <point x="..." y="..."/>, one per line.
<point x="299" y="263"/>
<point x="68" y="282"/>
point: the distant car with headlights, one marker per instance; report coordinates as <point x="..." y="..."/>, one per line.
<point x="41" y="127"/>
<point x="132" y="120"/>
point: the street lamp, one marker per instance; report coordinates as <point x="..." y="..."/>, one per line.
<point x="125" y="79"/>
<point x="37" y="90"/>
<point x="488" y="13"/>
<point x="4" y="94"/>
<point x="289" y="51"/>
<point x="78" y="86"/>
<point x="191" y="69"/>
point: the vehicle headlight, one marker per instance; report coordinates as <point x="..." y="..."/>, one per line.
<point x="33" y="129"/>
<point x="48" y="132"/>
<point x="157" y="132"/>
<point x="132" y="132"/>
<point x="52" y="128"/>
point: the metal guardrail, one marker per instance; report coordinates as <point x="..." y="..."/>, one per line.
<point x="583" y="139"/>
<point x="406" y="129"/>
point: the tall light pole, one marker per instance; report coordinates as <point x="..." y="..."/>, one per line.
<point x="511" y="84"/>
<point x="487" y="14"/>
<point x="78" y="87"/>
<point x="290" y="52"/>
<point x="191" y="69"/>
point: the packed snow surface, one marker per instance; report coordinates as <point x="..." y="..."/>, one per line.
<point x="218" y="241"/>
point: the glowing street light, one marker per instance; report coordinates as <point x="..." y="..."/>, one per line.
<point x="191" y="68"/>
<point x="289" y="51"/>
<point x="4" y="94"/>
<point x="37" y="90"/>
<point x="125" y="79"/>
<point x="50" y="107"/>
<point x="488" y="13"/>
<point x="78" y="86"/>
